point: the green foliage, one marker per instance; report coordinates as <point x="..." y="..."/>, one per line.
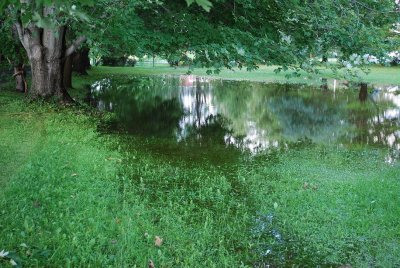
<point x="223" y="33"/>
<point x="205" y="4"/>
<point x="247" y="33"/>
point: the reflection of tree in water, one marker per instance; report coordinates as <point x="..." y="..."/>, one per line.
<point x="214" y="130"/>
<point x="267" y="114"/>
<point x="307" y="117"/>
<point x="138" y="106"/>
<point x="196" y="98"/>
<point x="201" y="101"/>
<point x="155" y="116"/>
<point x="242" y="104"/>
<point x="378" y="123"/>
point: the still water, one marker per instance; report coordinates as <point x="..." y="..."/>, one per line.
<point x="184" y="114"/>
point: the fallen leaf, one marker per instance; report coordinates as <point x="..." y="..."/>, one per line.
<point x="74" y="174"/>
<point x="158" y="241"/>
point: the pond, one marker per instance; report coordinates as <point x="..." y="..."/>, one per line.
<point x="195" y="117"/>
<point x="269" y="175"/>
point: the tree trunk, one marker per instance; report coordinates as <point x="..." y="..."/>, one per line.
<point x="81" y="62"/>
<point x="363" y="94"/>
<point x="20" y="82"/>
<point x="47" y="78"/>
<point x="68" y="72"/>
<point x="18" y="63"/>
<point x="47" y="52"/>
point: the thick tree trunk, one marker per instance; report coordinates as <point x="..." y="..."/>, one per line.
<point x="68" y="72"/>
<point x="47" y="52"/>
<point x="363" y="94"/>
<point x="47" y="78"/>
<point x="45" y="49"/>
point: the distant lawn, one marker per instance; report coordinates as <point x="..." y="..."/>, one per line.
<point x="379" y="75"/>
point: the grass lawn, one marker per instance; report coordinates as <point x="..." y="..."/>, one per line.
<point x="378" y="75"/>
<point x="72" y="197"/>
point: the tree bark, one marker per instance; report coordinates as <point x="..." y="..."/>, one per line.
<point x="47" y="51"/>
<point x="18" y="63"/>
<point x="68" y="72"/>
<point x="20" y="82"/>
<point x="80" y="61"/>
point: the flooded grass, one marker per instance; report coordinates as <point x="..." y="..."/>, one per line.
<point x="81" y="197"/>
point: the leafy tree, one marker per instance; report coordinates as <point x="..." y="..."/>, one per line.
<point x="239" y="33"/>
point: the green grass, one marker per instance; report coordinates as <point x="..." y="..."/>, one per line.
<point x="378" y="75"/>
<point x="71" y="197"/>
<point x="19" y="135"/>
<point x="61" y="188"/>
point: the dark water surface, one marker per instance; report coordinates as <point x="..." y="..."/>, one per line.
<point x="193" y="117"/>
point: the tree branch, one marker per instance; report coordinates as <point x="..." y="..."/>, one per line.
<point x="75" y="45"/>
<point x="20" y="31"/>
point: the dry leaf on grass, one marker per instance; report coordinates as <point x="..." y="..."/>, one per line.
<point x="158" y="241"/>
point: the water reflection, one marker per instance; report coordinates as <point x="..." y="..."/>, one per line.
<point x="250" y="116"/>
<point x="196" y="98"/>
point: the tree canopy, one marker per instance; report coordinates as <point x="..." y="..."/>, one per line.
<point x="215" y="34"/>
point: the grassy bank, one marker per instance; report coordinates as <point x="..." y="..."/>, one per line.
<point x="73" y="197"/>
<point x="60" y="190"/>
<point x="378" y="75"/>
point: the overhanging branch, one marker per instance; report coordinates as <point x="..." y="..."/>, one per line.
<point x="75" y="45"/>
